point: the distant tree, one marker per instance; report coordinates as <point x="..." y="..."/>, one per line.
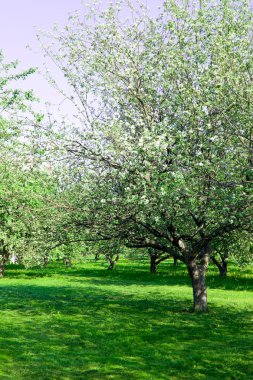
<point x="14" y="104"/>
<point x="156" y="257"/>
<point x="220" y="255"/>
<point x="109" y="249"/>
<point x="162" y="139"/>
<point x="23" y="197"/>
<point x="236" y="247"/>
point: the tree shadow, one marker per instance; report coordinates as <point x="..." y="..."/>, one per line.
<point x="72" y="332"/>
<point x="136" y="274"/>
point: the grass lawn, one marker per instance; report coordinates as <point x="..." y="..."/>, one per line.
<point x="90" y="323"/>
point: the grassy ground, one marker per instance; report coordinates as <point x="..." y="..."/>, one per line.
<point x="88" y="323"/>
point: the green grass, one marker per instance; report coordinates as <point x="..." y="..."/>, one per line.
<point x="89" y="323"/>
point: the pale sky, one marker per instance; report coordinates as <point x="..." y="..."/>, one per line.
<point x="17" y="21"/>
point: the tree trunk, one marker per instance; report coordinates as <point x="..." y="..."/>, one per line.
<point x="68" y="262"/>
<point x="223" y="268"/>
<point x="153" y="264"/>
<point x="112" y="262"/>
<point x="45" y="260"/>
<point x="20" y="260"/>
<point x="197" y="272"/>
<point x="111" y="265"/>
<point x="5" y="256"/>
<point x="175" y="263"/>
<point x="97" y="257"/>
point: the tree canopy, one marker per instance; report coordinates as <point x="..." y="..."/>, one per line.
<point x="163" y="136"/>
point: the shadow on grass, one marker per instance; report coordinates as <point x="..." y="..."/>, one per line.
<point x="62" y="332"/>
<point x="137" y="274"/>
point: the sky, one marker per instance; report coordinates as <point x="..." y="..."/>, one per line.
<point x="17" y="21"/>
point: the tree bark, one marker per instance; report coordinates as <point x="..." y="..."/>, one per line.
<point x="5" y="256"/>
<point x="197" y="272"/>
<point x="175" y="263"/>
<point x="153" y="264"/>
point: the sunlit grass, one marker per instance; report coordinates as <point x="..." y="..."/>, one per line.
<point x="90" y="323"/>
